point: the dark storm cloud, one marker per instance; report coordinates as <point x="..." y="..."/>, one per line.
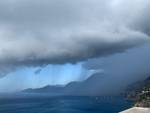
<point x="37" y="33"/>
<point x="38" y="71"/>
<point x="120" y="70"/>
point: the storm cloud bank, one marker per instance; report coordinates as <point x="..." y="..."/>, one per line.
<point x="37" y="33"/>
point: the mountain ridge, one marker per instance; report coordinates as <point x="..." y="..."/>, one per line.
<point x="73" y="88"/>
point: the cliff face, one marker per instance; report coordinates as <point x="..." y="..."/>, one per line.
<point x="139" y="93"/>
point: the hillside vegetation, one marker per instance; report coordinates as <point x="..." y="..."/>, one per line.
<point x="139" y="93"/>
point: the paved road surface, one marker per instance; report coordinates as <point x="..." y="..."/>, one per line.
<point x="137" y="110"/>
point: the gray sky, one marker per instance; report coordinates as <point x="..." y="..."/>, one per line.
<point x="35" y="33"/>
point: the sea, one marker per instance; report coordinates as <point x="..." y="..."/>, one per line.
<point x="63" y="104"/>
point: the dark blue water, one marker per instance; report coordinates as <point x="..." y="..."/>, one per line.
<point x="64" y="105"/>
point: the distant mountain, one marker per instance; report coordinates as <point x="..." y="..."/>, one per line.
<point x="138" y="86"/>
<point x="88" y="87"/>
<point x="46" y="89"/>
<point x="91" y="87"/>
<point x="139" y="92"/>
